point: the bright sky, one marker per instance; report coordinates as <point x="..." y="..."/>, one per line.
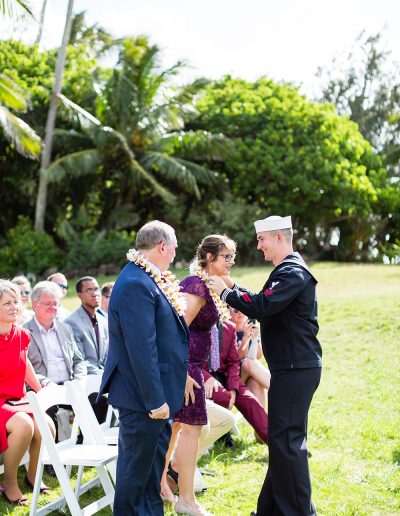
<point x="283" y="39"/>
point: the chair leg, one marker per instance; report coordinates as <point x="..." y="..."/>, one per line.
<point x="36" y="488"/>
<point x="79" y="477"/>
<point x="105" y="480"/>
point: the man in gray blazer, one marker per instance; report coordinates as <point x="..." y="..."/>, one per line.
<point x="90" y="330"/>
<point x="53" y="351"/>
<point x="91" y="335"/>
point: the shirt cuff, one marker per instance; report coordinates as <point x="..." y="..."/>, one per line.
<point x="225" y="293"/>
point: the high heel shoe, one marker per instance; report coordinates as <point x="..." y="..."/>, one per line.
<point x="181" y="508"/>
<point x="172" y="478"/>
<point x="43" y="490"/>
<point x="23" y="501"/>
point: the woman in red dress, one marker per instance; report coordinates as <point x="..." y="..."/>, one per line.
<point x="18" y="430"/>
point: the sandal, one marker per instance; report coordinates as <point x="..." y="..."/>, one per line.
<point x="43" y="490"/>
<point x="172" y="478"/>
<point x="23" y="501"/>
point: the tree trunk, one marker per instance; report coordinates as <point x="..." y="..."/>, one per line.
<point x="41" y="200"/>
<point x="42" y="13"/>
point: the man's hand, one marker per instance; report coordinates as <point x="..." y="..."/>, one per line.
<point x="191" y="384"/>
<point x="217" y="284"/>
<point x="228" y="281"/>
<point x="211" y="385"/>
<point x="232" y="400"/>
<point x="160" y="413"/>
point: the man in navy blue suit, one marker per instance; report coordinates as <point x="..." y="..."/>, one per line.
<point x="145" y="372"/>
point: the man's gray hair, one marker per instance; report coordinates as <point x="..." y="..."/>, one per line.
<point x="45" y="288"/>
<point x="153" y="233"/>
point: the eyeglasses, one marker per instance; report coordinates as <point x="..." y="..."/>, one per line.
<point x="229" y="257"/>
<point x="91" y="290"/>
<point x="54" y="304"/>
<point x="63" y="285"/>
<point x="26" y="292"/>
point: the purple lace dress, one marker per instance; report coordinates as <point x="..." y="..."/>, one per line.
<point x="199" y="350"/>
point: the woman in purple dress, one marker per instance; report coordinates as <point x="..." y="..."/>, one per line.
<point x="215" y="255"/>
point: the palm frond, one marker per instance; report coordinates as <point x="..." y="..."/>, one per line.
<point x="139" y="171"/>
<point x="195" y="145"/>
<point x="86" y="119"/>
<point x="171" y="168"/>
<point x="75" y="164"/>
<point x="70" y="140"/>
<point x="26" y="141"/>
<point x="7" y="7"/>
<point x="11" y="94"/>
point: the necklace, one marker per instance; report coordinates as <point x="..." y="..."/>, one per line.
<point x="221" y="306"/>
<point x="166" y="282"/>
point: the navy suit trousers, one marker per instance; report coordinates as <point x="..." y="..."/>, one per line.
<point x="287" y="487"/>
<point x="142" y="445"/>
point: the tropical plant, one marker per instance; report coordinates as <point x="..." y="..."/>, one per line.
<point x="299" y="157"/>
<point x="18" y="132"/>
<point x="136" y="147"/>
<point x="10" y="7"/>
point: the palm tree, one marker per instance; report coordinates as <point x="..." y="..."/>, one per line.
<point x="138" y="134"/>
<point x="13" y="98"/>
<point x="20" y="134"/>
<point x="7" y="7"/>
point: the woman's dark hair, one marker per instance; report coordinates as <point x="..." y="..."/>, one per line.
<point x="213" y="244"/>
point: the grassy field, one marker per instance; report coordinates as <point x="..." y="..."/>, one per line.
<point x="354" y="424"/>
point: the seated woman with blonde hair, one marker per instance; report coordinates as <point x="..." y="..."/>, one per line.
<point x="18" y="430"/>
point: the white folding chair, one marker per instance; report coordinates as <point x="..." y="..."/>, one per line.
<point x="68" y="453"/>
<point x="80" y="390"/>
<point x="91" y="383"/>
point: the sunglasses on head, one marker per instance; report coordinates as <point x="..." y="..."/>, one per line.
<point x="26" y="292"/>
<point x="63" y="285"/>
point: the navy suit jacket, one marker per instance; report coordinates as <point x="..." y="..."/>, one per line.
<point x="147" y="358"/>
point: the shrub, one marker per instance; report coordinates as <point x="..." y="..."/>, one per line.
<point x="25" y="250"/>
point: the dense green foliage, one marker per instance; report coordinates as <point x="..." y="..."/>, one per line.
<point x="298" y="157"/>
<point x="206" y="157"/>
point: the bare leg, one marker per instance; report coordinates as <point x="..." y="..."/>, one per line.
<point x="257" y="389"/>
<point x="253" y="368"/>
<point x="166" y="491"/>
<point x="19" y="435"/>
<point x="185" y="460"/>
<point x="34" y="449"/>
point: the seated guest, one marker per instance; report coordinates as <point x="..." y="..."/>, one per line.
<point x="106" y="290"/>
<point x="219" y="422"/>
<point x="252" y="372"/>
<point x="18" y="430"/>
<point x="53" y="351"/>
<point x="91" y="331"/>
<point x="61" y="281"/>
<point x="224" y="386"/>
<point x="25" y="288"/>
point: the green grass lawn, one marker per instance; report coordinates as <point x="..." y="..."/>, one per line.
<point x="354" y="424"/>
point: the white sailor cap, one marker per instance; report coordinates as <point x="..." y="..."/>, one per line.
<point x="273" y="223"/>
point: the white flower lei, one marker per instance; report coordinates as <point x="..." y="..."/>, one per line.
<point x="166" y="282"/>
<point x="222" y="307"/>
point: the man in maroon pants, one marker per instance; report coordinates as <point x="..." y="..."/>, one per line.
<point x="225" y="387"/>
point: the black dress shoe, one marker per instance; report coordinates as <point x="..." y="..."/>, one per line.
<point x="227" y="440"/>
<point x="50" y="470"/>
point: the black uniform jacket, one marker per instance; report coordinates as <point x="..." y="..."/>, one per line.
<point x="287" y="310"/>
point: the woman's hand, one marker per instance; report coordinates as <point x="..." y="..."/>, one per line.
<point x="191" y="384"/>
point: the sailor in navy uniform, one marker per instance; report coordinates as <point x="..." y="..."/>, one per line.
<point x="286" y="308"/>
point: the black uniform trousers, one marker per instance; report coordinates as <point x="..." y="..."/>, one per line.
<point x="287" y="487"/>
